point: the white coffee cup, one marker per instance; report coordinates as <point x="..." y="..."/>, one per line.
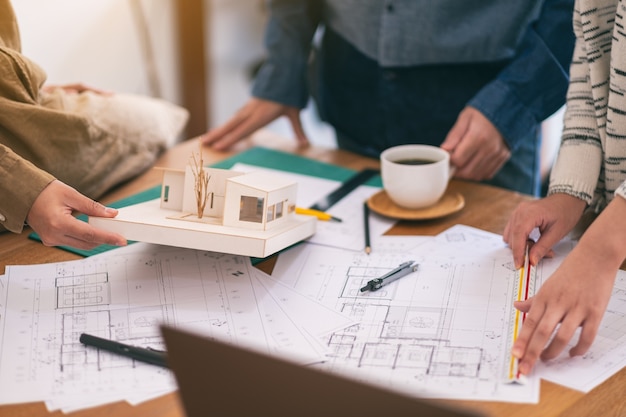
<point x="415" y="176"/>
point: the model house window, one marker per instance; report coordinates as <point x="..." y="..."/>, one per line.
<point x="251" y="209"/>
<point x="270" y="213"/>
<point x="279" y="209"/>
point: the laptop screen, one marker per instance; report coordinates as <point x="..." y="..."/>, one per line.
<point x="219" y="379"/>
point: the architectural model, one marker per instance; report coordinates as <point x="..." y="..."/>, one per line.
<point x="218" y="210"/>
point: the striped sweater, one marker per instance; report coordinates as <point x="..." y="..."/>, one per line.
<point x="591" y="163"/>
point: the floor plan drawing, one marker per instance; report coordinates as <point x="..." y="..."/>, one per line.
<point x="125" y="296"/>
<point x="440" y="331"/>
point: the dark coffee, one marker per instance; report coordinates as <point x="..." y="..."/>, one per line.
<point x="414" y="161"/>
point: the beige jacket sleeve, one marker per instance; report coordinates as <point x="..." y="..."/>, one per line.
<point x="89" y="141"/>
<point x="20" y="181"/>
<point x="20" y="184"/>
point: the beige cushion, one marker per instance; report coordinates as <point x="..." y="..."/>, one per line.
<point x="136" y="117"/>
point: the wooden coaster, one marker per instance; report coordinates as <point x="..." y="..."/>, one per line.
<point x="451" y="202"/>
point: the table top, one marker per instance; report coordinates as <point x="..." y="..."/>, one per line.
<point x="486" y="207"/>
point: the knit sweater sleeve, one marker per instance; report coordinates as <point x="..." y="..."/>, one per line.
<point x="577" y="168"/>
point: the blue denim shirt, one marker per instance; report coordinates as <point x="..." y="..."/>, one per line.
<point x="400" y="71"/>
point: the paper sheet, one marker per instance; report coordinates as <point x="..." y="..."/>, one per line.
<point x="458" y="269"/>
<point x="438" y="332"/>
<point x="124" y="295"/>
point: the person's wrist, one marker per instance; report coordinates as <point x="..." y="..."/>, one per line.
<point x="606" y="238"/>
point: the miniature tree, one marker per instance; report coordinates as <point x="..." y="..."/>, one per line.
<point x="201" y="182"/>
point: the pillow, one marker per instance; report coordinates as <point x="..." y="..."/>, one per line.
<point x="135" y="117"/>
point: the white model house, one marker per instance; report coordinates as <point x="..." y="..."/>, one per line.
<point x="258" y="200"/>
<point x="249" y="214"/>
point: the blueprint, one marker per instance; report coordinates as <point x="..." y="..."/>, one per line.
<point x="438" y="332"/>
<point x="442" y="331"/>
<point x="125" y="295"/>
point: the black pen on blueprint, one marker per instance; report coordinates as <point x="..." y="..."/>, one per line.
<point x="147" y="355"/>
<point x="403" y="269"/>
<point x="366" y="227"/>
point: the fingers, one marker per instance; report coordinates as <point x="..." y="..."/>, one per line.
<point x="516" y="235"/>
<point x="587" y="336"/>
<point x="565" y="333"/>
<point x="523" y="306"/>
<point x="476" y="147"/>
<point x="533" y="337"/>
<point x="82" y="235"/>
<point x="552" y="322"/>
<point x="254" y="115"/>
<point x="561" y="338"/>
<point x="554" y="216"/>
<point x="85" y="205"/>
<point x="294" y="118"/>
<point x="543" y="246"/>
<point x="77" y="88"/>
<point x="222" y="136"/>
<point x="482" y="165"/>
<point x="481" y="154"/>
<point x="51" y="217"/>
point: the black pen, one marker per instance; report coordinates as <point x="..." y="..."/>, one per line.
<point x="402" y="270"/>
<point x="366" y="227"/>
<point x="147" y="355"/>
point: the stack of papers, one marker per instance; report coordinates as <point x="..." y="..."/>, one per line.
<point x="125" y="295"/>
<point x="439" y="332"/>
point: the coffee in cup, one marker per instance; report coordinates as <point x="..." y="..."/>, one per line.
<point x="415" y="176"/>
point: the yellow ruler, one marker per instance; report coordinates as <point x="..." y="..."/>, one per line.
<point x="524" y="289"/>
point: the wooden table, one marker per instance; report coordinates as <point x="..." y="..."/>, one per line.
<point x="486" y="208"/>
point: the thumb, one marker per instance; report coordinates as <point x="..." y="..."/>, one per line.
<point x="543" y="247"/>
<point x="523" y="306"/>
<point x="294" y="118"/>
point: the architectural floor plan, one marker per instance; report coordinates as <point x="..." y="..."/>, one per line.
<point x="125" y="296"/>
<point x="439" y="331"/>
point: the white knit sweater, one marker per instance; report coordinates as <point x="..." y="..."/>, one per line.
<point x="591" y="164"/>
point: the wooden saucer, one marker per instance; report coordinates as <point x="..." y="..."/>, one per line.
<point x="451" y="202"/>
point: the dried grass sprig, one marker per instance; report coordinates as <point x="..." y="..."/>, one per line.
<point x="201" y="181"/>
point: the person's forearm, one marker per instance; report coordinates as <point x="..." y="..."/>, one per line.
<point x="288" y="36"/>
<point x="533" y="85"/>
<point x="605" y="239"/>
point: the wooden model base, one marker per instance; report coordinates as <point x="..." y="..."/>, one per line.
<point x="148" y="222"/>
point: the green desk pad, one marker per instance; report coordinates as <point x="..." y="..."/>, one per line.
<point x="259" y="156"/>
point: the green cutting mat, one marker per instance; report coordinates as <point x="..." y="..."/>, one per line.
<point x="259" y="156"/>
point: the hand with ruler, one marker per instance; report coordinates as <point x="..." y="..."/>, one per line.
<point x="523" y="290"/>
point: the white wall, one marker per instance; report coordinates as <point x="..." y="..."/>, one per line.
<point x="237" y="29"/>
<point x="98" y="42"/>
<point x="236" y="34"/>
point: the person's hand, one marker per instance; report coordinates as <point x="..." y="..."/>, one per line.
<point x="555" y="216"/>
<point x="51" y="217"/>
<point x="576" y="295"/>
<point x="476" y="147"/>
<point x="76" y="88"/>
<point x="251" y="117"/>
